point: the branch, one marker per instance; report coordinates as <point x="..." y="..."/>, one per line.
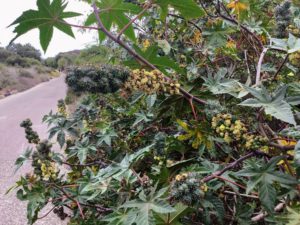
<point x="282" y="147"/>
<point x="261" y="58"/>
<point x="262" y="215"/>
<point x="42" y="217"/>
<point x="228" y="167"/>
<point x="138" y="57"/>
<point x="103" y="164"/>
<point x="188" y="21"/>
<point x="101" y="208"/>
<point x="146" y="7"/>
<point x="234" y="21"/>
<point x="282" y="65"/>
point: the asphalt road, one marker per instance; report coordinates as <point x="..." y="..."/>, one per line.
<point x="33" y="104"/>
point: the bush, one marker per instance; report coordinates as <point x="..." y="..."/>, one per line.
<point x="105" y="79"/>
<point x="62" y="63"/>
<point x="42" y="69"/>
<point x="25" y="73"/>
<point x="50" y="62"/>
<point x="16" y="60"/>
<point x="26" y="50"/>
<point x="4" y="82"/>
<point x="4" y="54"/>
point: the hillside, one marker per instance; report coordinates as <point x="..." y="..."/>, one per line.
<point x="21" y="68"/>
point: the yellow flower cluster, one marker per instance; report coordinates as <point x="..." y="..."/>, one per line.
<point x="295" y="58"/>
<point x="151" y="82"/>
<point x="160" y="160"/>
<point x="146" y="44"/>
<point x="181" y="177"/>
<point x="62" y="111"/>
<point x="254" y="141"/>
<point x="235" y="130"/>
<point x="49" y="170"/>
<point x="294" y="30"/>
<point x="197" y="37"/>
<point x="227" y="128"/>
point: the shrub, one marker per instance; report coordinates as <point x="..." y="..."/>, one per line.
<point x="26" y="50"/>
<point x="104" y="79"/>
<point x="25" y="73"/>
<point x="50" y="62"/>
<point x="4" y="54"/>
<point x="4" y="82"/>
<point x="16" y="60"/>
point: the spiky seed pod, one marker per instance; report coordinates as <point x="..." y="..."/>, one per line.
<point x="294" y="58"/>
<point x="187" y="188"/>
<point x="31" y="135"/>
<point x="283" y="19"/>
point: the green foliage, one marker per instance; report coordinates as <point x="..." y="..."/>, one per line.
<point x="275" y="105"/>
<point x="170" y="141"/>
<point x="106" y="79"/>
<point x="48" y="16"/>
<point x="263" y="177"/>
<point x="144" y="207"/>
<point x="26" y="50"/>
<point x="188" y="9"/>
<point x="114" y="12"/>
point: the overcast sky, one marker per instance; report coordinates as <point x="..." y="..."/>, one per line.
<point x="60" y="42"/>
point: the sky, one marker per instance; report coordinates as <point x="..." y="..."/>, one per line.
<point x="60" y="41"/>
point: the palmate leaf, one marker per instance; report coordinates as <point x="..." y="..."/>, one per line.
<point x="23" y="158"/>
<point x="263" y="176"/>
<point x="147" y="204"/>
<point x="187" y="8"/>
<point x="120" y="218"/>
<point x="291" y="45"/>
<point x="173" y="218"/>
<point x="274" y="104"/>
<point x="114" y="12"/>
<point x="48" y="16"/>
<point x="106" y="136"/>
<point x="82" y="149"/>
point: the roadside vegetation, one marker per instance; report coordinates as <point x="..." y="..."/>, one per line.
<point x="21" y="67"/>
<point x="187" y="113"/>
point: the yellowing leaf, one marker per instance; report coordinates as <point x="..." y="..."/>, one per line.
<point x="237" y="6"/>
<point x="184" y="137"/>
<point x="287" y="142"/>
<point x="184" y="125"/>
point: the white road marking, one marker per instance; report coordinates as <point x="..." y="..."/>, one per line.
<point x="3" y="117"/>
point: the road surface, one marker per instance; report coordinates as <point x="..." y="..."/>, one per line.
<point x="33" y="104"/>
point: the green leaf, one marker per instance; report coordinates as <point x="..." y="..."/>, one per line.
<point x="147" y="204"/>
<point x="274" y="104"/>
<point x="267" y="195"/>
<point x="291" y="45"/>
<point x="114" y="12"/>
<point x="22" y="159"/>
<point x="174" y="218"/>
<point x="163" y="63"/>
<point x="107" y="135"/>
<point x="187" y="8"/>
<point x="121" y="218"/>
<point x="297" y="155"/>
<point x="263" y="176"/>
<point x="220" y="85"/>
<point x="293" y="132"/>
<point x="82" y="149"/>
<point x="48" y="16"/>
